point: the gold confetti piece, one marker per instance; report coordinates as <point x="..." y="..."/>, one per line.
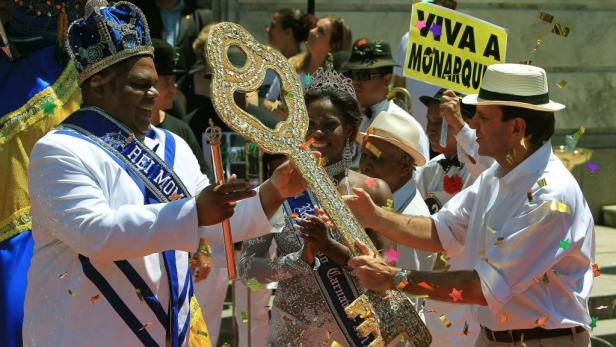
<point x="145" y="326"/>
<point x="424" y="296"/>
<point x="244" y="315"/>
<point x="544" y="16"/>
<point x="321" y="161"/>
<point x="373" y="149"/>
<point x="71" y="293"/>
<point x="94" y="298"/>
<point x="335" y="344"/>
<point x="556" y="205"/>
<point x="253" y="284"/>
<point x="542" y="320"/>
<point x="445" y="320"/>
<point x="328" y="335"/>
<point x="504" y="317"/>
<point x="499" y="241"/>
<point x="275" y="105"/>
<point x="562" y="84"/>
<point x="139" y="295"/>
<point x="526" y="62"/>
<point x="561" y="30"/>
<point x="63" y="275"/>
<point x="465" y="329"/>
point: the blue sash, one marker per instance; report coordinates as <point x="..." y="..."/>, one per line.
<point x="158" y="183"/>
<point x="337" y="288"/>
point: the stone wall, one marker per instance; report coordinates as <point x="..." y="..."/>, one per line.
<point x="586" y="59"/>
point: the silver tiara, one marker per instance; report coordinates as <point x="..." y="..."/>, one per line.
<point x="323" y="78"/>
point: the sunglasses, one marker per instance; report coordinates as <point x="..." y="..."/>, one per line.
<point x="363" y="75"/>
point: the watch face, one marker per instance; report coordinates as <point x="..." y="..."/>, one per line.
<point x="434" y="205"/>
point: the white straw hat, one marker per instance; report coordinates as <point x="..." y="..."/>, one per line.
<point x="516" y="85"/>
<point x="398" y="130"/>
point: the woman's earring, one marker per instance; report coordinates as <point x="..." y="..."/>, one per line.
<point x="347" y="153"/>
<point x="523" y="143"/>
<point x="329" y="62"/>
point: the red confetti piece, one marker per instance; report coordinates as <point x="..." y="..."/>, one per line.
<point x="425" y="285"/>
<point x="94" y="298"/>
<point x="392" y="255"/>
<point x="595" y="270"/>
<point x="456" y="295"/>
<point x="293" y="215"/>
<point x="504" y="317"/>
<point x="175" y="196"/>
<point x="529" y="195"/>
<point x="145" y="326"/>
<point x="542" y="320"/>
<point x="307" y="144"/>
<point x="370" y="182"/>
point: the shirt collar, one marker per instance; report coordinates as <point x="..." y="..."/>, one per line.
<point x="527" y="169"/>
<point x="405" y="193"/>
<point x="379" y="107"/>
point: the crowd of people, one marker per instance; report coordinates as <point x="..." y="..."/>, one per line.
<point x="113" y="217"/>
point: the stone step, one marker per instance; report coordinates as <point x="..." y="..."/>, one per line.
<point x="609" y="215"/>
<point x="605" y="330"/>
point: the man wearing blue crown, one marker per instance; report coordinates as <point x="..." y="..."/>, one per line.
<point x="112" y="207"/>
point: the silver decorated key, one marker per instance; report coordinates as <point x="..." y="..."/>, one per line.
<point x="385" y="319"/>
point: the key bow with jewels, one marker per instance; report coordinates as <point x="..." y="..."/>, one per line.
<point x="384" y="319"/>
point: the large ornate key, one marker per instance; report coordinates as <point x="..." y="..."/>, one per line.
<point x="385" y="319"/>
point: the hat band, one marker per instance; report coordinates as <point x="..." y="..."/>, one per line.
<point x="529" y="99"/>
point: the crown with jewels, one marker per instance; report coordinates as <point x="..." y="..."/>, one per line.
<point x="329" y="78"/>
<point x="107" y="35"/>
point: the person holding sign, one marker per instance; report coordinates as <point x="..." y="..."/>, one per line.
<point x="370" y="67"/>
<point x="112" y="207"/>
<point x="524" y="225"/>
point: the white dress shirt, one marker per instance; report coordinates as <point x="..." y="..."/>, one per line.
<point x="515" y="242"/>
<point x="390" y="106"/>
<point x="468" y="152"/>
<point x="84" y="203"/>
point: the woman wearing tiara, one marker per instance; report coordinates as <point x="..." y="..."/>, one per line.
<point x="300" y="313"/>
<point x="330" y="35"/>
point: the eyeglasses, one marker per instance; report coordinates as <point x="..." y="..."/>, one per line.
<point x="363" y="75"/>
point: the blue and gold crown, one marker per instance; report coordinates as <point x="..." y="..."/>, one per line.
<point x="107" y="35"/>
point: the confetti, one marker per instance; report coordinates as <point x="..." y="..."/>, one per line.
<point x="145" y="326"/>
<point x="420" y="24"/>
<point x="372" y="148"/>
<point x="307" y="144"/>
<point x="71" y="293"/>
<point x="465" y="329"/>
<point x="94" y="298"/>
<point x="49" y="107"/>
<point x="293" y="215"/>
<point x="335" y="344"/>
<point x="456" y="295"/>
<point x="526" y="62"/>
<point x="308" y="79"/>
<point x="175" y="196"/>
<point x="595" y="270"/>
<point x="370" y="182"/>
<point x="600" y="308"/>
<point x="328" y="335"/>
<point x="321" y="161"/>
<point x="545" y="279"/>
<point x="593" y="322"/>
<point x="561" y="30"/>
<point x="544" y="16"/>
<point x="63" y="275"/>
<point x="139" y="295"/>
<point x="425" y="285"/>
<point x="275" y="105"/>
<point x="201" y="332"/>
<point x="499" y="240"/>
<point x="436" y="30"/>
<point x="559" y="206"/>
<point x="445" y="320"/>
<point x="244" y="315"/>
<point x="572" y="140"/>
<point x="529" y="195"/>
<point x="388" y="296"/>
<point x="564" y="244"/>
<point x="392" y="255"/>
<point x="592" y="168"/>
<point x="562" y="84"/>
<point x="542" y="320"/>
<point x="490" y="229"/>
<point x="542" y="183"/>
<point x="253" y="284"/>
<point x="504" y="317"/>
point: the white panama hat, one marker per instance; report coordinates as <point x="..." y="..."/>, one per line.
<point x="398" y="130"/>
<point x="516" y="85"/>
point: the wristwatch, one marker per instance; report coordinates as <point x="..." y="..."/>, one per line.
<point x="402" y="279"/>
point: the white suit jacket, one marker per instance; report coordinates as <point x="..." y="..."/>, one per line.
<point x="84" y="203"/>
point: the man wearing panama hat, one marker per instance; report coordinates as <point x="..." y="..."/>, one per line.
<point x="524" y="225"/>
<point x="370" y="67"/>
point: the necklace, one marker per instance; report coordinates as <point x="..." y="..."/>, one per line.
<point x="336" y="169"/>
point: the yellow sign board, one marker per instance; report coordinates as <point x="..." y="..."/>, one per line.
<point x="451" y="49"/>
